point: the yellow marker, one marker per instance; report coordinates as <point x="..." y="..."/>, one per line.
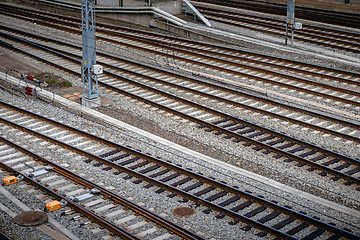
<point x="51" y="206"/>
<point x="85" y="62"/>
<point x="10" y="180"/>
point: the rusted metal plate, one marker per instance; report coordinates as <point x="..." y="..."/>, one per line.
<point x="184" y="212"/>
<point x="31" y="218"/>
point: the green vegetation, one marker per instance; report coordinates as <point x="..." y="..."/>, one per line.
<point x="53" y="80"/>
<point x="58" y="83"/>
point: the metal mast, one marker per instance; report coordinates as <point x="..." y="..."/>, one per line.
<point x="89" y="76"/>
<point x="290" y="20"/>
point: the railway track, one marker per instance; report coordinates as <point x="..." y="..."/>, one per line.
<point x="162" y="176"/>
<point x="230" y="126"/>
<point x="241" y="65"/>
<point x="4" y="236"/>
<point x="84" y="198"/>
<point x="141" y="70"/>
<point x="331" y="38"/>
<point x="134" y="91"/>
<point x="312" y="14"/>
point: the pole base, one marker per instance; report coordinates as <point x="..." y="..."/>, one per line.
<point x="91" y="103"/>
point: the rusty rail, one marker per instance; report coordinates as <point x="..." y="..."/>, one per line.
<point x="176" y="229"/>
<point x="188" y="196"/>
<point x="235" y="135"/>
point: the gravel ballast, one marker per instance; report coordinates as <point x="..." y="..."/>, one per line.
<point x="206" y="143"/>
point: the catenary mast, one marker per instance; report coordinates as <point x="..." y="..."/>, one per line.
<point x="89" y="68"/>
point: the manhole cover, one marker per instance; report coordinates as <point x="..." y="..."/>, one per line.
<point x="30" y="218"/>
<point x="184" y="212"/>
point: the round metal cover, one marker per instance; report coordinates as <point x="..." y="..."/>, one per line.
<point x="184" y="212"/>
<point x="31" y="218"/>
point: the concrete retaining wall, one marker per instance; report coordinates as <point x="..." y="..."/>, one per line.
<point x="108" y="3"/>
<point x="139" y="19"/>
<point x="185" y="32"/>
<point x="173" y="7"/>
<point x="166" y="5"/>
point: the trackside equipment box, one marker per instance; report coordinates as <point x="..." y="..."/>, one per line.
<point x="51" y="206"/>
<point x="10" y="180"/>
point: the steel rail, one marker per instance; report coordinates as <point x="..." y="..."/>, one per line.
<point x="355" y="139"/>
<point x="323" y="41"/>
<point x="4" y="236"/>
<point x="198" y="106"/>
<point x="76" y="20"/>
<point x="194" y="198"/>
<point x="279" y="66"/>
<point x="176" y="229"/>
<point x="172" y="38"/>
<point x="237" y="73"/>
<point x="154" y="182"/>
<point x="319" y="15"/>
<point x="236" y="57"/>
<point x="346" y="123"/>
<point x="232" y="71"/>
<point x="334" y="78"/>
<point x="237" y="51"/>
<point x="38" y="20"/>
<point x="307" y="30"/>
<point x="275" y="115"/>
<point x="203" y="56"/>
<point x="98" y="219"/>
<point x="237" y="136"/>
<point x="153" y="68"/>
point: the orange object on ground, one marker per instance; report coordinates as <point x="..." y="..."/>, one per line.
<point x="10" y="180"/>
<point x="52" y="206"/>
